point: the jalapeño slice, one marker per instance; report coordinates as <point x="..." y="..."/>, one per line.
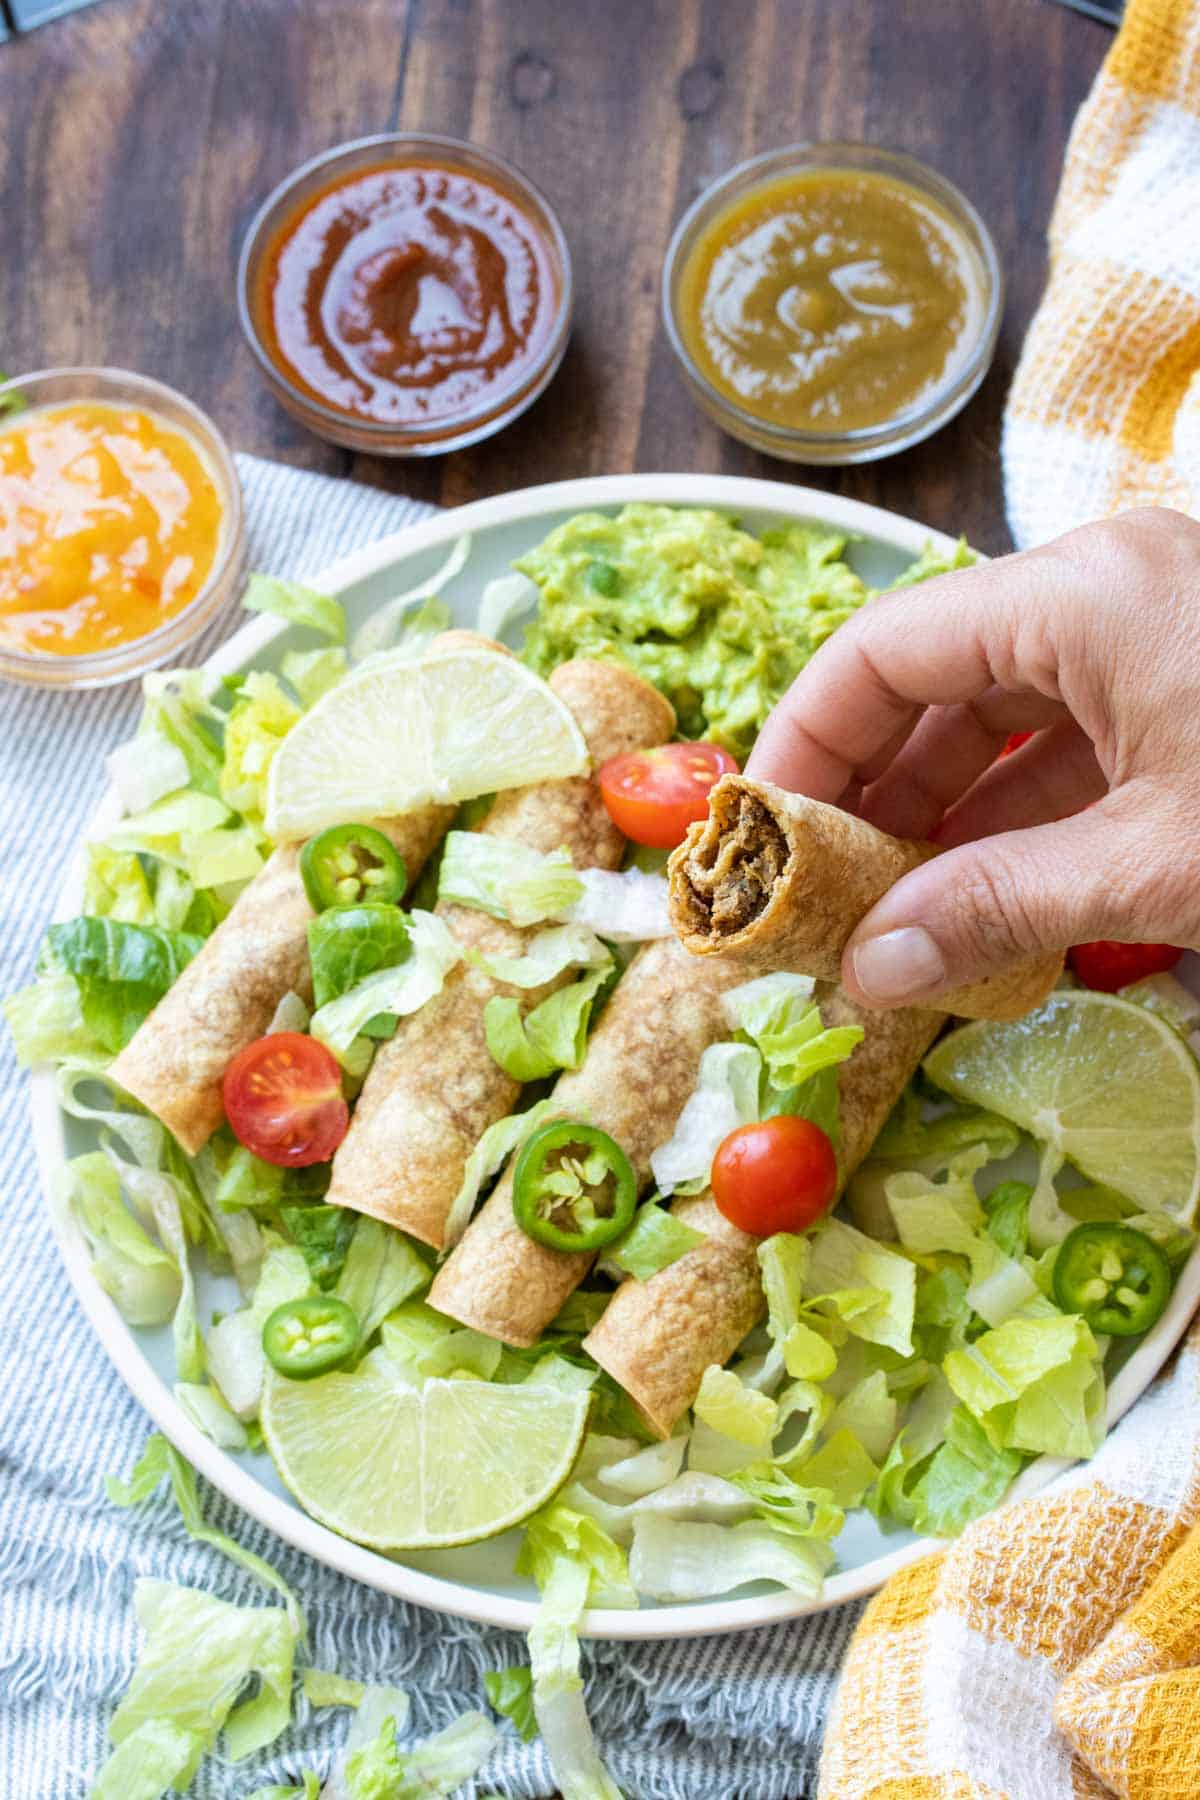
<point x="574" y="1188"/>
<point x="310" y="1336"/>
<point x="351" y="863"/>
<point x="1116" y="1278"/>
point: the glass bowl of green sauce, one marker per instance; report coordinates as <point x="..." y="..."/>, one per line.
<point x="832" y="303"/>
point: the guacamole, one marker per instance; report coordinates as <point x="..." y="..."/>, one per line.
<point x="719" y="620"/>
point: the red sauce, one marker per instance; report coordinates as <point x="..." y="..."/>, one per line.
<point x="408" y="294"/>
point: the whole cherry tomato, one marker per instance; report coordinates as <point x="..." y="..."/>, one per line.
<point x="1109" y="966"/>
<point x="777" y="1175"/>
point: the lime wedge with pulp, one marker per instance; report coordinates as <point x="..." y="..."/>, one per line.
<point x="1110" y="1084"/>
<point x="410" y="730"/>
<point x="403" y="1468"/>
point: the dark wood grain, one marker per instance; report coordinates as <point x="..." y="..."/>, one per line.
<point x="137" y="138"/>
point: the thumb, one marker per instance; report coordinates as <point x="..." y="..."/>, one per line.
<point x="1000" y="901"/>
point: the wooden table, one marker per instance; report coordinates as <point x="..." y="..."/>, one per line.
<point x="138" y="137"/>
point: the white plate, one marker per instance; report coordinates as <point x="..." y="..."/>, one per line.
<point x="478" y="1582"/>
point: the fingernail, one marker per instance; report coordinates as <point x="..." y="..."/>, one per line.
<point x="898" y="963"/>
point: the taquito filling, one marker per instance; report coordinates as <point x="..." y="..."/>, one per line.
<point x="732" y="868"/>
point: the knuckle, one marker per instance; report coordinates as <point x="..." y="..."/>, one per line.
<point x="995" y="923"/>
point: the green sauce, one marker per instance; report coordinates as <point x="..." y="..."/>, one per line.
<point x="831" y="300"/>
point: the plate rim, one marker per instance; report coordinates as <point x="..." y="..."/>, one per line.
<point x="284" y="1516"/>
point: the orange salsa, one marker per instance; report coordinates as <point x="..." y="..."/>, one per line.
<point x="110" y="521"/>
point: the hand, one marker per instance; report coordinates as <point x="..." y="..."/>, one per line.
<point x="1090" y="830"/>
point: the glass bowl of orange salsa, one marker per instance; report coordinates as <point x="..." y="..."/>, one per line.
<point x="121" y="528"/>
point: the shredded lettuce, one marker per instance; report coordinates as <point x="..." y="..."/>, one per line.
<point x="640" y="1472"/>
<point x="868" y="1410"/>
<point x="429" y="1346"/>
<point x="390" y="626"/>
<point x="322" y="1234"/>
<point x="628" y="907"/>
<point x="575" y="1564"/>
<point x="310" y="1789"/>
<point x="841" y="1468"/>
<point x="654" y="1241"/>
<point x="552" y="1035"/>
<point x="437" y="1765"/>
<point x="736" y="1411"/>
<point x="545" y="956"/>
<point x="778" y="1014"/>
<point x="46" y="1020"/>
<point x="505" y="601"/>
<point x="726" y="1096"/>
<point x="209" y="1413"/>
<point x="783" y="1503"/>
<point x="162" y="1199"/>
<point x="871" y="1288"/>
<point x="122" y="971"/>
<point x="403" y="989"/>
<point x="155" y="1757"/>
<point x="1166" y="995"/>
<point x="260" y="719"/>
<point x="489" y="1155"/>
<point x="383" y="1268"/>
<point x="297" y="604"/>
<point x="1004" y="1289"/>
<point x="178" y="705"/>
<point x="508" y="880"/>
<point x="1007" y="1210"/>
<point x="146" y="769"/>
<point x="1048" y="1222"/>
<point x="677" y="1560"/>
<point x="166" y="829"/>
<point x="908" y="1136"/>
<point x="1033" y="1384"/>
<point x="937" y="1215"/>
<point x="346" y="944"/>
<point x="138" y="1275"/>
<point x="115" y="886"/>
<point x="198" y="1655"/>
<point x="311" y="673"/>
<point x="236" y="1362"/>
<point x="965" y="1478"/>
<point x="325" y="1687"/>
<point x="510" y="1693"/>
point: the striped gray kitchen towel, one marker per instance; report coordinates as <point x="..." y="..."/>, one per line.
<point x="735" y="1718"/>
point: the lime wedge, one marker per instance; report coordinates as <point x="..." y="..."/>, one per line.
<point x="403" y="1468"/>
<point x="406" y="731"/>
<point x="1110" y="1084"/>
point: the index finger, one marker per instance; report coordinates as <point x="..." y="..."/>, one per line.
<point x="943" y="641"/>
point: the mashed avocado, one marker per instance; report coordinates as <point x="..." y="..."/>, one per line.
<point x="719" y="620"/>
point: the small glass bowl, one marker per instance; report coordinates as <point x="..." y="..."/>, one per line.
<point x="120" y="387"/>
<point x="374" y="436"/>
<point x="867" y="442"/>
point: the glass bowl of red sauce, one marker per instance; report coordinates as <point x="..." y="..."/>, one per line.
<point x="406" y="295"/>
<point x="121" y="533"/>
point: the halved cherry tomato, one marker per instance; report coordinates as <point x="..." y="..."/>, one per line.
<point x="779" y="1175"/>
<point x="283" y="1098"/>
<point x="1108" y="966"/>
<point x="654" y="795"/>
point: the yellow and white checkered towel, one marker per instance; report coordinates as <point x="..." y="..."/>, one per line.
<point x="1104" y="412"/>
<point x="1053" y="1652"/>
